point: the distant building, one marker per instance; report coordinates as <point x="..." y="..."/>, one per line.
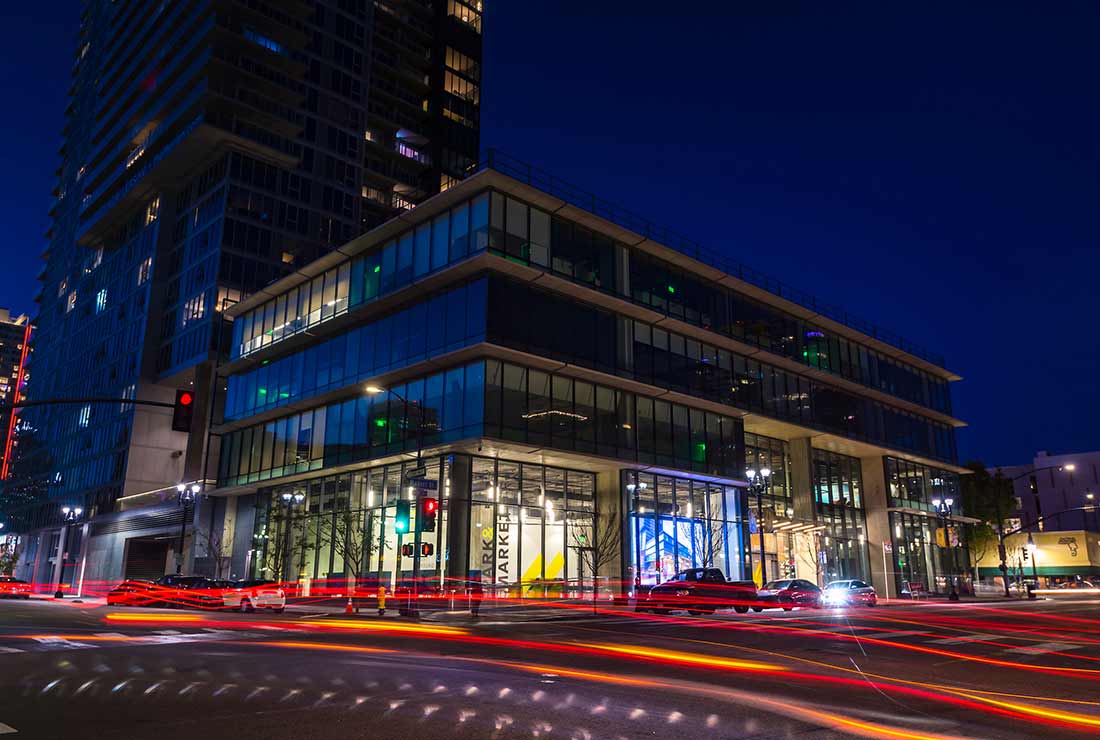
<point x="1058" y="506"/>
<point x="1052" y="492"/>
<point x="14" y="348"/>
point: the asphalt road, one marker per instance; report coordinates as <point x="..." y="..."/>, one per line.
<point x="1005" y="670"/>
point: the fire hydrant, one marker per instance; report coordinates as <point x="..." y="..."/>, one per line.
<point x="381" y="601"/>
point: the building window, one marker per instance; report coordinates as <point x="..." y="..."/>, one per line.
<point x="101" y="301"/>
<point x="143" y="270"/>
<point x="62" y="287"/>
<point x="463" y="88"/>
<point x="463" y="64"/>
<point x="71" y="303"/>
<point x="85" y="415"/>
<point x="193" y="310"/>
<point x="468" y="14"/>
<point x="152" y="211"/>
<point x="268" y="43"/>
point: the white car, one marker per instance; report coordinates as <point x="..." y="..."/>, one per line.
<point x="248" y="596"/>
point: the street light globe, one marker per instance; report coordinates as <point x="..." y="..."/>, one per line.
<point x="196" y="488"/>
<point x="750" y="473"/>
<point x="765" y="472"/>
<point x="1070" y="467"/>
<point x="949" y="501"/>
<point x="64" y="509"/>
<point x="78" y="511"/>
<point x="181" y="487"/>
<point x="1090" y="496"/>
<point x="936" y="502"/>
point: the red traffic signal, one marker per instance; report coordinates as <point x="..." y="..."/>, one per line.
<point x="183" y="411"/>
<point x="428" y="509"/>
<point x="407" y="550"/>
<point x="426" y="549"/>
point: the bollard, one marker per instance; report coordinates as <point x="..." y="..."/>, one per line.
<point x="381" y="601"/>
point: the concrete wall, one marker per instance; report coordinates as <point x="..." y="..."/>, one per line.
<point x="876" y="499"/>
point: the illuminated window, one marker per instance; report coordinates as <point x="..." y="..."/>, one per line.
<point x="85" y="415"/>
<point x="127" y="392"/>
<point x="463" y="64"/>
<point x="71" y="303"/>
<point x="288" y="258"/>
<point x="446" y="182"/>
<point x="227" y="297"/>
<point x="101" y="301"/>
<point x="448" y="113"/>
<point x="377" y="195"/>
<point x="152" y="211"/>
<point x="144" y="269"/>
<point x="468" y="14"/>
<point x="193" y="310"/>
<point x="268" y="43"/>
<point x="463" y="88"/>
<point x="134" y="156"/>
<point x="62" y="287"/>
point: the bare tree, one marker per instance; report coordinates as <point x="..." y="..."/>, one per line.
<point x="217" y="551"/>
<point x="599" y="550"/>
<point x="348" y="535"/>
<point x="708" y="541"/>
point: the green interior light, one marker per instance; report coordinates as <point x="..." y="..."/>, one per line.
<point x="378" y="268"/>
<point x="380" y="422"/>
<point x="284" y="395"/>
<point x="671" y="289"/>
<point x="263" y="391"/>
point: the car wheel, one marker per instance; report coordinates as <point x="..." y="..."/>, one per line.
<point x="758" y="608"/>
<point x="740" y="609"/>
<point x="246" y="606"/>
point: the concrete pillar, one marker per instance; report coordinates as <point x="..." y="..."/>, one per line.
<point x="458" y="519"/>
<point x="244" y="545"/>
<point x="611" y="571"/>
<point x="876" y="500"/>
<point x="801" y="479"/>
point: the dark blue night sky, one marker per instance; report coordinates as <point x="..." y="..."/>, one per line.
<point x="929" y="166"/>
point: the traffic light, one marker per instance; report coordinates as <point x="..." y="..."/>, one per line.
<point x="426" y="549"/>
<point x="428" y="509"/>
<point x="401" y="520"/>
<point x="407" y="550"/>
<point x="183" y="411"/>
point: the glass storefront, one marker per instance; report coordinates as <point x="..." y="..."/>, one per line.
<point x="527" y="528"/>
<point x="676" y="523"/>
<point x="838" y="498"/>
<point x="925" y="556"/>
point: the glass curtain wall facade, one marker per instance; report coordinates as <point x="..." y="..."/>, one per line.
<point x="772" y="515"/>
<point x="567" y="329"/>
<point x="531" y="236"/>
<point x="524" y="530"/>
<point x="838" y="499"/>
<point x="924" y="554"/>
<point x="676" y="523"/>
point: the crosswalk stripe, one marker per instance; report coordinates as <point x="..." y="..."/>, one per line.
<point x="62" y="642"/>
<point x="1044" y="647"/>
<point x="7" y="729"/>
<point x="11" y="650"/>
<point x="109" y="634"/>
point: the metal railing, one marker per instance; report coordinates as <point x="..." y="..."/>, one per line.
<point x="528" y="174"/>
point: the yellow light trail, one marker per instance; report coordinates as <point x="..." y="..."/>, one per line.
<point x="127" y="617"/>
<point x="674" y="656"/>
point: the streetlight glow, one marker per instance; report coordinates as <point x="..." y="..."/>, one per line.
<point x="374" y="390"/>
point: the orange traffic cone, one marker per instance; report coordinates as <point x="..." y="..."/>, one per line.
<point x="347" y="608"/>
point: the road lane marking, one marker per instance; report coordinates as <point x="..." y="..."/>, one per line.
<point x="1044" y="647"/>
<point x="963" y="639"/>
<point x="11" y="650"/>
<point x="7" y="729"/>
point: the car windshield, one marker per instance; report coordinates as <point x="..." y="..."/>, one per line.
<point x="837" y="584"/>
<point x="777" y="585"/>
<point x="687" y="575"/>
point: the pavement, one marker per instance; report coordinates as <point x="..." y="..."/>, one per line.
<point x="909" y="670"/>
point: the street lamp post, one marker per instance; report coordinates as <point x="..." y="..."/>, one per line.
<point x="943" y="508"/>
<point x="290" y="502"/>
<point x="1000" y="522"/>
<point x="1032" y="550"/>
<point x="69" y="515"/>
<point x="758" y="484"/>
<point x="185" y="496"/>
<point x="375" y="390"/>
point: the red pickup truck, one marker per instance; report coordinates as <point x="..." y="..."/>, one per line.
<point x="699" y="591"/>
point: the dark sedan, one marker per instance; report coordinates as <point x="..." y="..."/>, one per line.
<point x="789" y="593"/>
<point x="699" y="591"/>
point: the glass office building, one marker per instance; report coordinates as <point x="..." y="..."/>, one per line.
<point x="583" y="402"/>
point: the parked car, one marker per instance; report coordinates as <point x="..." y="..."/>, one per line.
<point x="248" y="596"/>
<point x="699" y="591"/>
<point x="14" y="588"/>
<point x="134" y="592"/>
<point x="849" y="593"/>
<point x="789" y="593"/>
<point x="192" y="592"/>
